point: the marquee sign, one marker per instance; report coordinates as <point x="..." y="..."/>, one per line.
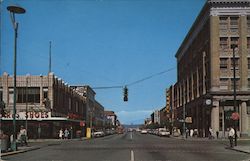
<point x="30" y="115"/>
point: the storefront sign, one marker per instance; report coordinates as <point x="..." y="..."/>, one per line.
<point x="82" y="123"/>
<point x="188" y="120"/>
<point x="235" y="116"/>
<point x="30" y="115"/>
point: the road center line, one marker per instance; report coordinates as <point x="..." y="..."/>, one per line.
<point x="131" y="135"/>
<point x="132" y="155"/>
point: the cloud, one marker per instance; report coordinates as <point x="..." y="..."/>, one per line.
<point x="133" y="117"/>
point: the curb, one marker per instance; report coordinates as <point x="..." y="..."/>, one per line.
<point x="53" y="143"/>
<point x="238" y="150"/>
<point x="19" y="151"/>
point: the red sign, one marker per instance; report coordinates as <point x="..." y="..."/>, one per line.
<point x="82" y="123"/>
<point x="235" y="116"/>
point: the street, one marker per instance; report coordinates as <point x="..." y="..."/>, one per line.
<point x="133" y="146"/>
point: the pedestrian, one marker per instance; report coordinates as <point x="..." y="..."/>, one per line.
<point x="61" y="134"/>
<point x="210" y="133"/>
<point x="66" y="133"/>
<point x="187" y="131"/>
<point x="217" y="134"/>
<point x="191" y="133"/>
<point x="23" y="137"/>
<point x="231" y="136"/>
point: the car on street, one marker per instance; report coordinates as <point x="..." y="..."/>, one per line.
<point x="98" y="134"/>
<point x="163" y="132"/>
<point x="144" y="131"/>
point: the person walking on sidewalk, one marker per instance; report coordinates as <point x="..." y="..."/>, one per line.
<point x="231" y="136"/>
<point x="23" y="136"/>
<point x="66" y="133"/>
<point x="191" y="133"/>
<point x="61" y="134"/>
<point x="210" y="133"/>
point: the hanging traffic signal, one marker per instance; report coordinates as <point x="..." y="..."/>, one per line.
<point x="125" y="94"/>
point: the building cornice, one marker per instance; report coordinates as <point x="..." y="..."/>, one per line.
<point x="213" y="8"/>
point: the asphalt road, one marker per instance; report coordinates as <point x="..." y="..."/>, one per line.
<point x="133" y="147"/>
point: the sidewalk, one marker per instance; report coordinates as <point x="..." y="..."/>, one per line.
<point x="34" y="144"/>
<point x="243" y="143"/>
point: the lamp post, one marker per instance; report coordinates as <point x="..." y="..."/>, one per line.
<point x="26" y="107"/>
<point x="15" y="10"/>
<point x="233" y="46"/>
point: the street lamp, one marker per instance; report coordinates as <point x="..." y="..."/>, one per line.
<point x="233" y="46"/>
<point x="26" y="107"/>
<point x="15" y="10"/>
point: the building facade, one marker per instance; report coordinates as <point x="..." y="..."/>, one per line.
<point x="45" y="102"/>
<point x="205" y="69"/>
<point x="111" y="119"/>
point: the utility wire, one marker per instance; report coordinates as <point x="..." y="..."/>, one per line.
<point x="138" y="81"/>
<point x="108" y="87"/>
<point x="149" y="77"/>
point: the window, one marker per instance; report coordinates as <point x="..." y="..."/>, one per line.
<point x="11" y="95"/>
<point x="248" y="63"/>
<point x="223" y="63"/>
<point x="224" y="84"/>
<point x="77" y="107"/>
<point x="223" y="26"/>
<point x="45" y="93"/>
<point x="237" y="83"/>
<point x="223" y="43"/>
<point x="234" y="23"/>
<point x="69" y="103"/>
<point x="1" y="94"/>
<point x="33" y="95"/>
<point x="248" y="42"/>
<point x="236" y="63"/>
<point x="234" y="40"/>
<point x="248" y="24"/>
<point x="248" y="83"/>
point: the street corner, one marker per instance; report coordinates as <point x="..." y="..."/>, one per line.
<point x="21" y="150"/>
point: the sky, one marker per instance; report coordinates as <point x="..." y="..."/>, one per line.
<point x="102" y="43"/>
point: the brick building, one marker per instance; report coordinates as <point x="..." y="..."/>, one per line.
<point x="205" y="68"/>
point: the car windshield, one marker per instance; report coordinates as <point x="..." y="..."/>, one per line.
<point x="125" y="80"/>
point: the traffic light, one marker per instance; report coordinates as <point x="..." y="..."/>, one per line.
<point x="168" y="101"/>
<point x="125" y="94"/>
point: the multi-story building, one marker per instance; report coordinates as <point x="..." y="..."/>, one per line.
<point x="98" y="116"/>
<point x="111" y="118"/>
<point x="205" y="68"/>
<point x="164" y="117"/>
<point x="157" y="117"/>
<point x="46" y="102"/>
<point x="89" y="98"/>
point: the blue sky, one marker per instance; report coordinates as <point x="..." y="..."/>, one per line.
<point x="102" y="43"/>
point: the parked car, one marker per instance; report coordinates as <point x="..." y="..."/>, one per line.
<point x="164" y="132"/>
<point x="144" y="131"/>
<point x="98" y="134"/>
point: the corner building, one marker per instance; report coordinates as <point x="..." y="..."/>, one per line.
<point x="46" y="102"/>
<point x="205" y="68"/>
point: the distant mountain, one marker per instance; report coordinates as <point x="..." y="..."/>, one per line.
<point x="132" y="126"/>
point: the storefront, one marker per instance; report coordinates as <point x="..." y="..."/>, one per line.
<point x="41" y="125"/>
